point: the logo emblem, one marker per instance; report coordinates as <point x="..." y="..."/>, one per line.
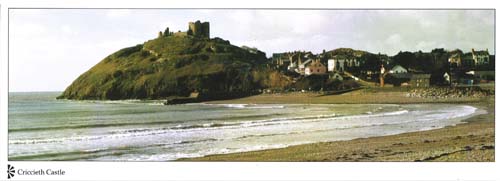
<point x="10" y="171"/>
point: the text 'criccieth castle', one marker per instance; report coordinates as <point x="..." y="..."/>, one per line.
<point x="196" y="29"/>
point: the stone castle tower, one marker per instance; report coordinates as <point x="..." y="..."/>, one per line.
<point x="199" y="29"/>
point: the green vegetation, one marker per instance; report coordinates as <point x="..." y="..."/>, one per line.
<point x="174" y="66"/>
<point x="368" y="61"/>
<point x="323" y="83"/>
<point x="434" y="63"/>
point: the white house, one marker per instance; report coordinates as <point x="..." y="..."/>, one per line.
<point x="480" y="57"/>
<point x="336" y="65"/>
<point x="315" y="67"/>
<point x="341" y="62"/>
<point x="398" y="70"/>
<point x="352" y="62"/>
<point x="292" y="66"/>
<point x="331" y="65"/>
<point x="302" y="67"/>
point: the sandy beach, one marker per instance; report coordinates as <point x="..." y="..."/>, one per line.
<point x="363" y="96"/>
<point x="473" y="140"/>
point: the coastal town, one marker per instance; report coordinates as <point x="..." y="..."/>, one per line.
<point x="406" y="69"/>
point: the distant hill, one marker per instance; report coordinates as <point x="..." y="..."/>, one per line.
<point x="347" y="52"/>
<point x="173" y="65"/>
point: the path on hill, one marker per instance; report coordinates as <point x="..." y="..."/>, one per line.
<point x="361" y="81"/>
<point x="151" y="51"/>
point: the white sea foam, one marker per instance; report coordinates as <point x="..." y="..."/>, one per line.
<point x="117" y="134"/>
<point x="177" y="128"/>
<point x="234" y="105"/>
<point x="244" y="106"/>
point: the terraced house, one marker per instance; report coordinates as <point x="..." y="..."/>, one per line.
<point x="341" y="62"/>
<point x="469" y="59"/>
<point x="315" y="67"/>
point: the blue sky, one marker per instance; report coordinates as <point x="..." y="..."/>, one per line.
<point x="49" y="48"/>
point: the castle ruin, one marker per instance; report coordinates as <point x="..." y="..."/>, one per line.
<point x="196" y="29"/>
<point x="199" y="29"/>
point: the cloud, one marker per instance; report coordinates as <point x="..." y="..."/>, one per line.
<point x="115" y="45"/>
<point x="276" y="43"/>
<point x="28" y="30"/>
<point x="426" y="45"/>
<point x="118" y="13"/>
<point x="394" y="40"/>
<point x="68" y="30"/>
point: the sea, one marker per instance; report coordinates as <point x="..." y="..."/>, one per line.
<point x="43" y="128"/>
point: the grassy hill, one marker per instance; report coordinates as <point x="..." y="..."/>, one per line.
<point x="347" y="52"/>
<point x="172" y="66"/>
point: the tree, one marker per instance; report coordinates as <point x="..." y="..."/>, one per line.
<point x="405" y="59"/>
<point x="167" y="32"/>
<point x="371" y="62"/>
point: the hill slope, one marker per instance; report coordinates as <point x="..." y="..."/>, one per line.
<point x="171" y="66"/>
<point x="347" y="52"/>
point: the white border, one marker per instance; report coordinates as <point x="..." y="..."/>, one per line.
<point x="236" y="170"/>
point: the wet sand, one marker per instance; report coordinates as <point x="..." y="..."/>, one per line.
<point x="471" y="141"/>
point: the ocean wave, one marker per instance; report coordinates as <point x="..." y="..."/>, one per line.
<point x="190" y="127"/>
<point x="195" y="141"/>
<point x="139" y="123"/>
<point x="91" y="154"/>
<point x="237" y="124"/>
<point x="117" y="134"/>
<point x="393" y="113"/>
<point x="156" y="131"/>
<point x="245" y="106"/>
<point x="324" y="130"/>
<point x="180" y="127"/>
<point x="265" y="107"/>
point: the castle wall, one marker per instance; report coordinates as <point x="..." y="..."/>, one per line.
<point x="205" y="27"/>
<point x="199" y="29"/>
<point x="192" y="28"/>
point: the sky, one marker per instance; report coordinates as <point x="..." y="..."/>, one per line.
<point x="49" y="48"/>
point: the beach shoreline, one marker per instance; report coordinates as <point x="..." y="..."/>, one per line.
<point x="473" y="140"/>
<point x="363" y="96"/>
